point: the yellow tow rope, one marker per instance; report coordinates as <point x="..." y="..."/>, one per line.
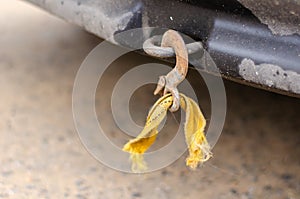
<point x="199" y="148"/>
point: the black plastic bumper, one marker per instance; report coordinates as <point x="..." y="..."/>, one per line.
<point x="244" y="49"/>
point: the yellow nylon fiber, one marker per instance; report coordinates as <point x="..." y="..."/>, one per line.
<point x="199" y="149"/>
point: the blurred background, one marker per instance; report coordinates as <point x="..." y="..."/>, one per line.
<point x="41" y="156"/>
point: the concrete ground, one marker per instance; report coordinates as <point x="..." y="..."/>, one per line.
<point x="41" y="156"/>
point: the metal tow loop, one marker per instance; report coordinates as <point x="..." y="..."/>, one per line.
<point x="198" y="146"/>
<point x="170" y="81"/>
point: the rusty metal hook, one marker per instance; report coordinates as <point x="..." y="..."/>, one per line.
<point x="169" y="82"/>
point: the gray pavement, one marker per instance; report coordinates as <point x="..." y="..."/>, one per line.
<point x="41" y="156"/>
